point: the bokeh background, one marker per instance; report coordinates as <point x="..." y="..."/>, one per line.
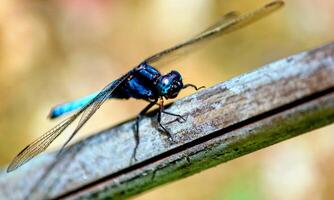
<point x="57" y="50"/>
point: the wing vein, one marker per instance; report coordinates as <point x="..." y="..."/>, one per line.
<point x="41" y="143"/>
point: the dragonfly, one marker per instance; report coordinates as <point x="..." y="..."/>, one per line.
<point x="143" y="82"/>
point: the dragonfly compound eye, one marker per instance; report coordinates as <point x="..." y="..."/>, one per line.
<point x="170" y="84"/>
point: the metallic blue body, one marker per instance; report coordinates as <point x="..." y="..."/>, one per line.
<point x="141" y="84"/>
<point x="144" y="83"/>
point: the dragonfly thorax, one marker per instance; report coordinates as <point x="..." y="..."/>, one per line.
<point x="169" y="85"/>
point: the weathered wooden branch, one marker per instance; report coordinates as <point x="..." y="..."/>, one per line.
<point x="276" y="102"/>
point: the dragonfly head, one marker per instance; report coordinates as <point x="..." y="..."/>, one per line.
<point x="169" y="85"/>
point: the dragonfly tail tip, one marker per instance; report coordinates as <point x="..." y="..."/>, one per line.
<point x="51" y="115"/>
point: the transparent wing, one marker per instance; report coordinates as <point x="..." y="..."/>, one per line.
<point x="47" y="138"/>
<point x="39" y="145"/>
<point x="86" y="115"/>
<point x="225" y="19"/>
<point x="230" y="22"/>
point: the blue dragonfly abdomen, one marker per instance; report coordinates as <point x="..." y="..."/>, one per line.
<point x="64" y="108"/>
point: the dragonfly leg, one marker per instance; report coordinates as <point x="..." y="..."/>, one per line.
<point x="175" y="115"/>
<point x="136" y="133"/>
<point x="161" y="110"/>
<point x="193" y="86"/>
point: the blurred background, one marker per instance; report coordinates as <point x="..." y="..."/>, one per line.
<point x="58" y="50"/>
